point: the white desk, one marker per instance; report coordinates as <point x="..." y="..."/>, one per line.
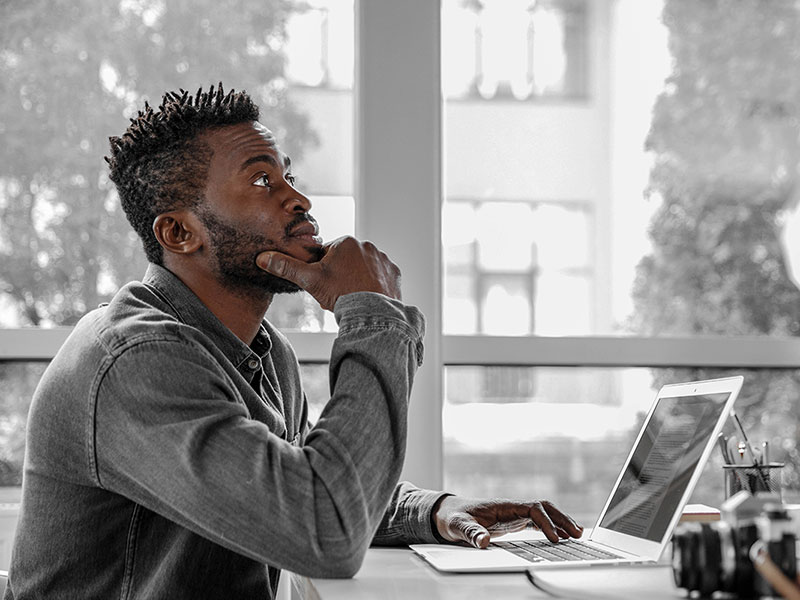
<point x="397" y="573"/>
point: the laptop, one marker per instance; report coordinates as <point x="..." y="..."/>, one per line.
<point x="645" y="504"/>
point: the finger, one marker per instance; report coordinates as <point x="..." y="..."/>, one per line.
<point x="286" y="267"/>
<point x="542" y="520"/>
<point x="471" y="532"/>
<point x="562" y="533"/>
<point x="562" y="520"/>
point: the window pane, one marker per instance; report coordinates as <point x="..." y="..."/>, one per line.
<point x="316" y="383"/>
<point x="563" y="433"/>
<point x="516" y="268"/>
<point x="655" y="199"/>
<point x="514" y="48"/>
<point x="72" y="74"/>
<point x="18" y="381"/>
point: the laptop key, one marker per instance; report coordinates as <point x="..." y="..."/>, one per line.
<point x="542" y="550"/>
<point x="521" y="552"/>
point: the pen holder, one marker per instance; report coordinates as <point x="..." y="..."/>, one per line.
<point x="748" y="478"/>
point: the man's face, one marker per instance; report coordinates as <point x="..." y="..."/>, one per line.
<point x="251" y="206"/>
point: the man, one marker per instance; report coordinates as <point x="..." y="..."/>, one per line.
<point x="168" y="451"/>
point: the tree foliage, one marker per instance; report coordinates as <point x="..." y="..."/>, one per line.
<point x="71" y="73"/>
<point x="724" y="136"/>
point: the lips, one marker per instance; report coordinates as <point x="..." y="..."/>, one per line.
<point x="307" y="229"/>
<point x="307" y="233"/>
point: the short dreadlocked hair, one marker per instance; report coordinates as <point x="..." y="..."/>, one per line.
<point x="161" y="163"/>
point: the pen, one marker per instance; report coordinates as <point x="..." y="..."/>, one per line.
<point x="749" y="448"/>
<point x="722" y="442"/>
<point x="744" y="445"/>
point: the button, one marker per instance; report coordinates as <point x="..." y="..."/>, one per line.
<point x="253" y="364"/>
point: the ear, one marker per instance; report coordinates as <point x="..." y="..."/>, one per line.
<point x="179" y="231"/>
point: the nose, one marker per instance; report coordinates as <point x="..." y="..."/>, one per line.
<point x="297" y="203"/>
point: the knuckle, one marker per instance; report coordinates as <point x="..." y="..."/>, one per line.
<point x="284" y="269"/>
<point x="345" y="241"/>
<point x="459" y="522"/>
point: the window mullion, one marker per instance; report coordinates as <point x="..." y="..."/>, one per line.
<point x="724" y="352"/>
<point x="398" y="185"/>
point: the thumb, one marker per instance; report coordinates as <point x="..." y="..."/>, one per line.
<point x="286" y="267"/>
<point x="469" y="530"/>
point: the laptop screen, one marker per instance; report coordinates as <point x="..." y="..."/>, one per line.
<point x="662" y="465"/>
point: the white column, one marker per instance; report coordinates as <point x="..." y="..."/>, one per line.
<point x="398" y="185"/>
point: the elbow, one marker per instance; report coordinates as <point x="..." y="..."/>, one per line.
<point x="345" y="566"/>
<point x="344" y="570"/>
<point x="341" y="563"/>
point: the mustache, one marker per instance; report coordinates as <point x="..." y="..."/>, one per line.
<point x="300" y="218"/>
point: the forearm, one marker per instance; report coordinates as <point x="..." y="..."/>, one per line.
<point x="357" y="448"/>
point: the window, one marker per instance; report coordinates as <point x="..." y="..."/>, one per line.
<point x="516" y="49"/>
<point x="587" y="246"/>
<point x="517" y="267"/>
<point x="564" y="432"/>
<point x="17" y="382"/>
<point x="73" y="74"/>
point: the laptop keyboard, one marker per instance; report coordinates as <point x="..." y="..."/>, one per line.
<point x="567" y="550"/>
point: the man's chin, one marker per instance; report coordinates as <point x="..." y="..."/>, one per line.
<point x="282" y="286"/>
<point x="309" y="254"/>
<point x="258" y="285"/>
<point x="276" y="285"/>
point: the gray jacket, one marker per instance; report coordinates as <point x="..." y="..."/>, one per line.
<point x="165" y="458"/>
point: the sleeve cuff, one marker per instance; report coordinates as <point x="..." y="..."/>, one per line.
<point x="419" y="506"/>
<point x="369" y="310"/>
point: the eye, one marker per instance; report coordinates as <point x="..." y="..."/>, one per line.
<point x="262" y="181"/>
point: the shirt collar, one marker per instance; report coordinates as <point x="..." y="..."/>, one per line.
<point x="190" y="310"/>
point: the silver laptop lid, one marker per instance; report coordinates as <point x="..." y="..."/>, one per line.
<point x="664" y="465"/>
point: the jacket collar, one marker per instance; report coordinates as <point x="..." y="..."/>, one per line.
<point x="190" y="310"/>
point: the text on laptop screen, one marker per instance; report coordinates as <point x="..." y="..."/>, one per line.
<point x="662" y="465"/>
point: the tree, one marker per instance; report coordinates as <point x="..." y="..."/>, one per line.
<point x="71" y="73"/>
<point x="725" y="140"/>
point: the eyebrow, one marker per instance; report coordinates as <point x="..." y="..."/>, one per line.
<point x="267" y="158"/>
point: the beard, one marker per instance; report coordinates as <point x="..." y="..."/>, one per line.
<point x="234" y="250"/>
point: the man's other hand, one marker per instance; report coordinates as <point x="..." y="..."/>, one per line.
<point x="348" y="265"/>
<point x="477" y="521"/>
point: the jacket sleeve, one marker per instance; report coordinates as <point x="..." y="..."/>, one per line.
<point x="408" y="519"/>
<point x="172" y="434"/>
